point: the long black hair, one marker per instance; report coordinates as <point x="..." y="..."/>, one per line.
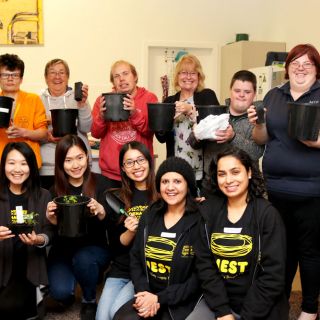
<point x="256" y="187"/>
<point x="127" y="187"/>
<point x="61" y="184"/>
<point x="32" y="184"/>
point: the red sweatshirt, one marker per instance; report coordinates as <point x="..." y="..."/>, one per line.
<point x="114" y="135"/>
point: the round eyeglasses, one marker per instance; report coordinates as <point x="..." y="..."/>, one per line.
<point x="130" y="163"/>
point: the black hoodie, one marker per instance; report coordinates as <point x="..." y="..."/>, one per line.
<point x="263" y="294"/>
<point x="183" y="290"/>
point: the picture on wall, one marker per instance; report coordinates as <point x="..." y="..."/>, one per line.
<point x="21" y="22"/>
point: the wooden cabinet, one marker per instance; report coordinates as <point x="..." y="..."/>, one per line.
<point x="243" y="55"/>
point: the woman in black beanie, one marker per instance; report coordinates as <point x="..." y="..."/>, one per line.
<point x="162" y="258"/>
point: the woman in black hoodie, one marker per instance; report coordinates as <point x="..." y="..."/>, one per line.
<point x="162" y="258"/>
<point x="241" y="252"/>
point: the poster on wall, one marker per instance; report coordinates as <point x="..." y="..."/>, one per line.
<point x="21" y="22"/>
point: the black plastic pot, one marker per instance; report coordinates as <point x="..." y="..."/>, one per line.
<point x="160" y="116"/>
<point x="5" y="111"/>
<point x="206" y="110"/>
<point x="18" y="228"/>
<point x="64" y="121"/>
<point x="114" y="107"/>
<point x="72" y="217"/>
<point x="303" y="121"/>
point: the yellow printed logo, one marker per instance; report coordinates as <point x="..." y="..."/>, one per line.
<point x="137" y="211"/>
<point x="187" y="251"/>
<point x="154" y="252"/>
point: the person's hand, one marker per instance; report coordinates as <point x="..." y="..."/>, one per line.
<point x="200" y="199"/>
<point x="32" y="239"/>
<point x="184" y="108"/>
<point x="131" y="223"/>
<point x="146" y="304"/>
<point x="96" y="209"/>
<point x="102" y="106"/>
<point x="227" y="317"/>
<point x="5" y="233"/>
<point x="51" y="138"/>
<point x="16" y="132"/>
<point x="51" y="212"/>
<point x="129" y="103"/>
<point x="252" y="115"/>
<point x="223" y="136"/>
<point x="85" y="93"/>
<point x="312" y="144"/>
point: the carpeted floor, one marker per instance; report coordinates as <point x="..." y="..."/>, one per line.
<point x="73" y="312"/>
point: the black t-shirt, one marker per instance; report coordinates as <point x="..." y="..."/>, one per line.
<point x="159" y="249"/>
<point x="121" y="259"/>
<point x="232" y="246"/>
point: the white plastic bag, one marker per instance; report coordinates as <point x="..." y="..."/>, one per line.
<point x="208" y="126"/>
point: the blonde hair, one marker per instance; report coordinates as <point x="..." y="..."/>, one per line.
<point x="191" y="60"/>
<point x="117" y="63"/>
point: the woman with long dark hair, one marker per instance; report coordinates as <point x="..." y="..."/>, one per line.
<point x="137" y="192"/>
<point x="241" y="252"/>
<point x="162" y="258"/>
<point x="23" y="256"/>
<point x="81" y="259"/>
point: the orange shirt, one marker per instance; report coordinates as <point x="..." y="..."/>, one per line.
<point x="29" y="114"/>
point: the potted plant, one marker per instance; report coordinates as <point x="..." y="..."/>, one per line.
<point x="23" y="221"/>
<point x="72" y="214"/>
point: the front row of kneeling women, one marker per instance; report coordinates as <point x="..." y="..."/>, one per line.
<point x="221" y="259"/>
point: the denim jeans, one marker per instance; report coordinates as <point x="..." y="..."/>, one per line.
<point x="67" y="267"/>
<point x="116" y="292"/>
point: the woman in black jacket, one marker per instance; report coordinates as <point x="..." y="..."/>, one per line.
<point x="162" y="258"/>
<point x="189" y="82"/>
<point x="241" y="253"/>
<point x="22" y="253"/>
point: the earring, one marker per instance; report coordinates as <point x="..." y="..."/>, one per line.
<point x="249" y="177"/>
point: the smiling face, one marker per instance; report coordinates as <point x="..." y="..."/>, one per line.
<point x="57" y="79"/>
<point x="136" y="167"/>
<point x="188" y="78"/>
<point x="241" y="96"/>
<point x="17" y="170"/>
<point x="173" y="189"/>
<point x="233" y="178"/>
<point x="75" y="165"/>
<point x="124" y="80"/>
<point x="302" y="73"/>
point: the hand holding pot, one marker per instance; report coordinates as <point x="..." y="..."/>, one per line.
<point x="16" y="132"/>
<point x="51" y="138"/>
<point x="5" y="233"/>
<point x="312" y="144"/>
<point x="129" y="103"/>
<point x="85" y="93"/>
<point x="225" y="135"/>
<point x="102" y="106"/>
<point x="32" y="239"/>
<point x="51" y="212"/>
<point x="96" y="209"/>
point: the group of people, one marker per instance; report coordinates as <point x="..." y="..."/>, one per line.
<point x="198" y="239"/>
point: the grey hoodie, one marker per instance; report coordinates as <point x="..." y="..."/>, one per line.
<point x="83" y="124"/>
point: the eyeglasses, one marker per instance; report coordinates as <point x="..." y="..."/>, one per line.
<point x="7" y="75"/>
<point x="192" y="74"/>
<point x="130" y="163"/>
<point x="305" y="65"/>
<point x="56" y="73"/>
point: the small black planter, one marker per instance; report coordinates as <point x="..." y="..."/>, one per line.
<point x="72" y="215"/>
<point x="5" y="111"/>
<point x="114" y="106"/>
<point x="303" y="121"/>
<point x="206" y="110"/>
<point x="160" y="116"/>
<point x="64" y="121"/>
<point x="18" y="228"/>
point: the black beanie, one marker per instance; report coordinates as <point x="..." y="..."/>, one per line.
<point x="181" y="166"/>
